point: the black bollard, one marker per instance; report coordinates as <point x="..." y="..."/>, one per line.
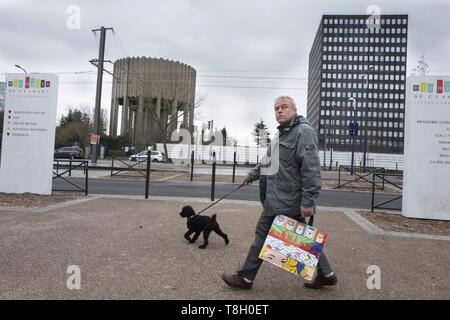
<point x="147" y="178"/>
<point x="192" y="165"/>
<point x="86" y="181"/>
<point x="234" y="166"/>
<point x="213" y="180"/>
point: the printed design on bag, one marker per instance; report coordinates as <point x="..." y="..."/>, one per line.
<point x="293" y="246"/>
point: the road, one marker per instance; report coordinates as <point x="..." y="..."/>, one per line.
<point x="331" y="198"/>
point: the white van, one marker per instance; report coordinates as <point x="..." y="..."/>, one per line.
<point x="155" y="156"/>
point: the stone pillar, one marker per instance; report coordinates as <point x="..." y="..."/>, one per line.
<point x="146" y="131"/>
<point x="186" y="116"/>
<point x="164" y="119"/>
<point x="125" y="107"/>
<point x="139" y="124"/>
<point x="111" y="116"/>
<point x="174" y="117"/>
<point x="114" y="118"/>
<point x="191" y="118"/>
<point x="158" y="106"/>
<point x="125" y="120"/>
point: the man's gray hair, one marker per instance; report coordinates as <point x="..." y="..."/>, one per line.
<point x="292" y="101"/>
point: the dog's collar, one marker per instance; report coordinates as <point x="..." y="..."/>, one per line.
<point x="192" y="216"/>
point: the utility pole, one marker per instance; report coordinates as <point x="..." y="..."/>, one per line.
<point x="98" y="96"/>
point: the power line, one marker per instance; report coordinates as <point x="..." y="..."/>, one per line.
<point x="198" y="85"/>
<point x="245" y="87"/>
<point x="252" y="77"/>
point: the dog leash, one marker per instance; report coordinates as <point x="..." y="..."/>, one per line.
<point x="310" y="222"/>
<point x="223" y="197"/>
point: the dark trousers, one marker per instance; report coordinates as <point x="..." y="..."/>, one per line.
<point x="252" y="263"/>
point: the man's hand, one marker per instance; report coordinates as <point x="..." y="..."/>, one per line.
<point x="246" y="182"/>
<point x="306" y="212"/>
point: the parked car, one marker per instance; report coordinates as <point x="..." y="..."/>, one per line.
<point x="69" y="153"/>
<point x="155" y="156"/>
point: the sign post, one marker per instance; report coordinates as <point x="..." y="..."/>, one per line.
<point x="427" y="148"/>
<point x="29" y="133"/>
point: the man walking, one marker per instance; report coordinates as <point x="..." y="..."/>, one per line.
<point x="292" y="189"/>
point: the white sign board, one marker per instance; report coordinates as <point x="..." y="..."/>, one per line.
<point x="28" y="133"/>
<point x="426" y="192"/>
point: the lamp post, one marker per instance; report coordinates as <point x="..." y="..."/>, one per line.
<point x="333" y="132"/>
<point x="324" y="145"/>
<point x="353" y="133"/>
<point x="17" y="66"/>
<point x="365" y="117"/>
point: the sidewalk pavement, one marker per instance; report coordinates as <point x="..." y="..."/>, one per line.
<point x="134" y="249"/>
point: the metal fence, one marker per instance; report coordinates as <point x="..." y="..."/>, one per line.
<point x="252" y="155"/>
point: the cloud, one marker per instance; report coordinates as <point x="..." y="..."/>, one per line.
<point x="266" y="40"/>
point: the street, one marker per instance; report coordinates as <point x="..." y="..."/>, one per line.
<point x="330" y="198"/>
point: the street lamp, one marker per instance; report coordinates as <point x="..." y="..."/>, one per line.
<point x="365" y="117"/>
<point x="353" y="132"/>
<point x="17" y="66"/>
<point x="333" y="132"/>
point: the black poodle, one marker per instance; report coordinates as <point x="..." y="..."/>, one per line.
<point x="197" y="223"/>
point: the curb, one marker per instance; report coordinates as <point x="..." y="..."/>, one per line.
<point x="375" y="230"/>
<point x="52" y="206"/>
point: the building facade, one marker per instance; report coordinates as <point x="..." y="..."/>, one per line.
<point x="152" y="98"/>
<point x="357" y="73"/>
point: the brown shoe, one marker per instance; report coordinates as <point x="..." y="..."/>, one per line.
<point x="321" y="281"/>
<point x="236" y="281"/>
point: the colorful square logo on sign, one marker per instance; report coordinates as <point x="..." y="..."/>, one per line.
<point x="28" y="83"/>
<point x="440" y="86"/>
<point x="430" y="88"/>
<point x="446" y="86"/>
<point x="423" y="86"/>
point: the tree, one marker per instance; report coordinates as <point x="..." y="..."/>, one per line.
<point x="224" y="136"/>
<point x="76" y="127"/>
<point x="261" y="134"/>
<point x="227" y="139"/>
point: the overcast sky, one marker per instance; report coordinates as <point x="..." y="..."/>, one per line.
<point x="260" y="39"/>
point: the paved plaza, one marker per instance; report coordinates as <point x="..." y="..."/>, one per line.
<point x="130" y="248"/>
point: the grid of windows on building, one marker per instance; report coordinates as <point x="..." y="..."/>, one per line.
<point x="356" y="57"/>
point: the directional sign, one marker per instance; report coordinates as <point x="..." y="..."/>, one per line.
<point x="29" y="133"/>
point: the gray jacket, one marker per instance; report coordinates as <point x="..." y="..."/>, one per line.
<point x="297" y="180"/>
